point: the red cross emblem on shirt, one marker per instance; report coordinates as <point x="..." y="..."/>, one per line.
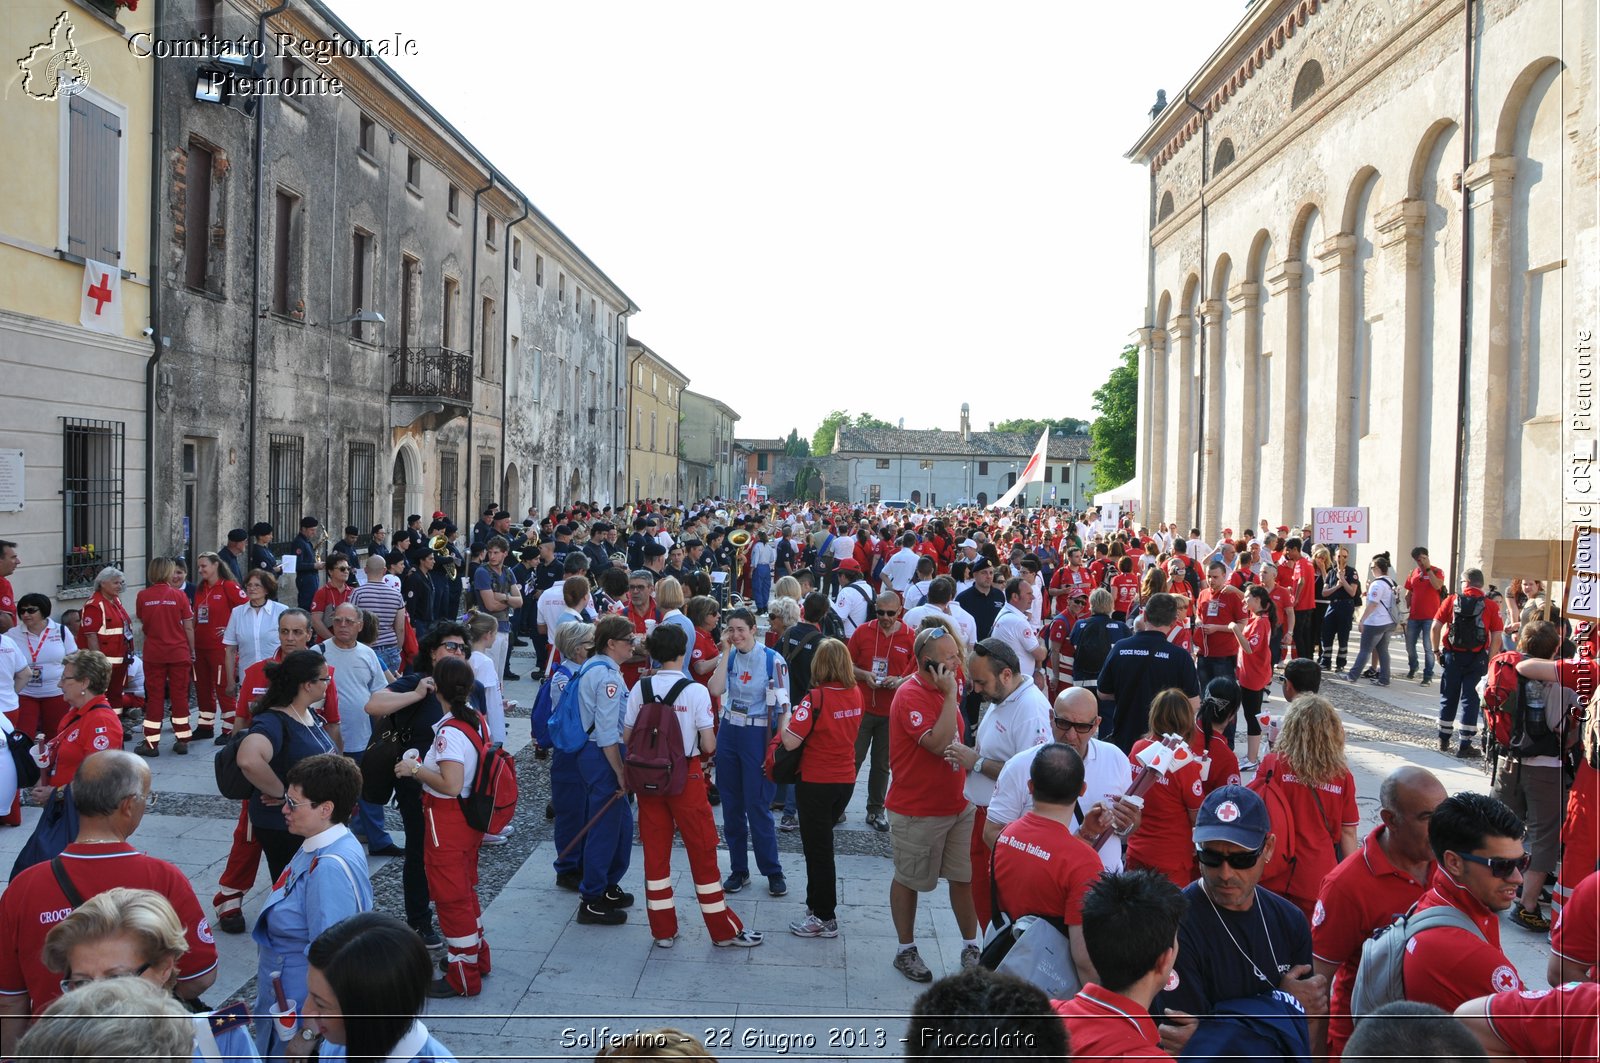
<point x="744" y="677"/>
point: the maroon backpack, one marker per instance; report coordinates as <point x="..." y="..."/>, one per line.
<point x="491" y="801"/>
<point x="653" y="761"/>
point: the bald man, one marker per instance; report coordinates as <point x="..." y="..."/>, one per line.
<point x="1107" y="774"/>
<point x="1379" y="881"/>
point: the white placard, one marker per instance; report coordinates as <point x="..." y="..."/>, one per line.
<point x="1334" y="526"/>
<point x="1108" y="515"/>
<point x="12" y="481"/>
<point x="290" y="563"/>
<point x="719" y="577"/>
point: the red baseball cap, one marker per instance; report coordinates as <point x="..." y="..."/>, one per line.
<point x="849" y="564"/>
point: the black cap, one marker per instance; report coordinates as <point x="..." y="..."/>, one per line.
<point x="351" y="529"/>
<point x="260" y="528"/>
<point x="501" y="514"/>
<point x="310" y="522"/>
<point x="528" y="553"/>
<point x="654" y="550"/>
<point x="979" y="564"/>
<point x="238" y="535"/>
<point x="547" y="540"/>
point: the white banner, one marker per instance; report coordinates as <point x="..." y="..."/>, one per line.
<point x="101" y="307"/>
<point x="1334" y="526"/>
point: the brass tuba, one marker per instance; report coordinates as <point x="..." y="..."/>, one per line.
<point x="739" y="539"/>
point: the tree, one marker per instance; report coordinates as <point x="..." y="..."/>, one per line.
<point x="1114" y="433"/>
<point x="1032" y="426"/>
<point x="795" y="447"/>
<point x="808" y="482"/>
<point x="822" y="439"/>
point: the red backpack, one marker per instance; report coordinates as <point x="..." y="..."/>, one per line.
<point x="491" y="801"/>
<point x="653" y="762"/>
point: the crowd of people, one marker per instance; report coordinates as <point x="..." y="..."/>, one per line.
<point x="1046" y="706"/>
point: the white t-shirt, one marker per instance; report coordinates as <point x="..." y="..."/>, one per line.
<point x="899" y="569"/>
<point x="12" y="661"/>
<point x="44" y="652"/>
<point x="549" y="607"/>
<point x="844" y="547"/>
<point x="692" y="706"/>
<point x="1106" y="771"/>
<point x="1036" y="609"/>
<point x="916" y="594"/>
<point x="852" y="606"/>
<point x="1005" y="729"/>
<point x="494" y="702"/>
<point x="958" y="616"/>
<point x="1013" y="628"/>
<point x="1381" y="592"/>
<point x="450" y="744"/>
<point x="357" y="675"/>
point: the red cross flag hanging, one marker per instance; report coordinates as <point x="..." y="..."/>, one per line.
<point x="101" y="308"/>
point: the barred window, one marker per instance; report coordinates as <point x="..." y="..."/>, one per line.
<point x="363" y="484"/>
<point x="447" y="485"/>
<point x="92" y="463"/>
<point x="486" y="480"/>
<point x="285" y="487"/>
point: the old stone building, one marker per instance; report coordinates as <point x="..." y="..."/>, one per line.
<point x="75" y="295"/>
<point x="655" y="390"/>
<point x="935" y="468"/>
<point x="364" y="318"/>
<point x="1367" y="218"/>
<point x="707" y="466"/>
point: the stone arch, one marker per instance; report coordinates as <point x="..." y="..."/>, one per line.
<point x="1428" y="372"/>
<point x="1363" y="316"/>
<point x="1166" y="208"/>
<point x="1306" y="83"/>
<point x="1222" y="158"/>
<point x="1541" y="212"/>
<point x="1305" y="217"/>
<point x="1355" y="197"/>
<point x="1307" y="357"/>
<point x="1527" y="84"/>
<point x="1422" y="161"/>
<point x="1220" y="387"/>
<point x="405" y="485"/>
<point x="511" y="492"/>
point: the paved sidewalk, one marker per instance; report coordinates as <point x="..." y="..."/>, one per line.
<point x="559" y="989"/>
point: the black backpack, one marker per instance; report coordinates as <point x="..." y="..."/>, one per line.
<point x="231" y="780"/>
<point x="1468" y="634"/>
<point x="1093" y="645"/>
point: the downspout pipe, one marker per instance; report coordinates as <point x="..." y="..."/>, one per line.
<point x="1205" y="163"/>
<point x="255" y="270"/>
<point x="472" y="332"/>
<point x="157" y="155"/>
<point x="505" y="338"/>
<point x="1464" y="326"/>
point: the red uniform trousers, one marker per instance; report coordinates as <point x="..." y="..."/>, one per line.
<point x="34" y="715"/>
<point x="690" y="813"/>
<point x="450" y="856"/>
<point x="163" y="683"/>
<point x="211" y="687"/>
<point x="981" y="855"/>
<point x="244" y="861"/>
<point x="116" y="649"/>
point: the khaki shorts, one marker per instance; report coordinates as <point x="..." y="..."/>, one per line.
<point x="928" y="848"/>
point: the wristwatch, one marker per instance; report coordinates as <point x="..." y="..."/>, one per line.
<point x="978" y="767"/>
<point x="307" y="1034"/>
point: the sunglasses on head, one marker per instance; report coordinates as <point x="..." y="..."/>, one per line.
<point x="1237" y="861"/>
<point x="1499" y="866"/>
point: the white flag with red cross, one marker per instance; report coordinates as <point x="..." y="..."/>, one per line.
<point x="101" y="307"/>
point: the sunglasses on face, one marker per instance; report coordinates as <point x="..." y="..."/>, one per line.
<point x="1237" y="861"/>
<point x="1073" y="725"/>
<point x="888" y="612"/>
<point x="454" y="647"/>
<point x="1500" y="867"/>
<point x="27" y="610"/>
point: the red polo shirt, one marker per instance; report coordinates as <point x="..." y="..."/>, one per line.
<point x="1224" y="608"/>
<point x="1165" y="838"/>
<point x="8" y="599"/>
<point x="1223" y="768"/>
<point x="1448" y="967"/>
<point x="1255" y="663"/>
<point x="879" y="654"/>
<point x="33" y="904"/>
<point x="1575" y="935"/>
<point x="921" y="783"/>
<point x="254" y="685"/>
<point x="212" y="607"/>
<point x="88" y="730"/>
<point x="1319" y="817"/>
<point x="162" y="611"/>
<point x="1363" y="893"/>
<point x="1424" y="598"/>
<point x="1041" y="868"/>
<point x="1558" y="1023"/>
<point x="1492" y="624"/>
<point x="1300" y="577"/>
<point x="1105" y="1027"/>
<point x="828" y="719"/>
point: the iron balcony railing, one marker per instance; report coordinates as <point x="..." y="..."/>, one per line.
<point x="431" y="372"/>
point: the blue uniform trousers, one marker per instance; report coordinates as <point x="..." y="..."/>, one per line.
<point x="566" y="794"/>
<point x="608" y="847"/>
<point x="746" y="798"/>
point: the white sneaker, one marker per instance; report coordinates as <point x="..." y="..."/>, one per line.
<point x="495" y="839"/>
<point x="666" y="943"/>
<point x="744" y="939"/>
<point x="812" y="927"/>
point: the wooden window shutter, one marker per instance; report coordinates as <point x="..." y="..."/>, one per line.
<point x="93" y="191"/>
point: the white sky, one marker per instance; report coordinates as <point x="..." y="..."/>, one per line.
<point x="866" y="205"/>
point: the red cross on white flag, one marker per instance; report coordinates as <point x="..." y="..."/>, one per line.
<point x="101" y="307"/>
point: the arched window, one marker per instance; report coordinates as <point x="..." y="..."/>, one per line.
<point x="1224" y="156"/>
<point x="1166" y="207"/>
<point x="1306" y="83"/>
